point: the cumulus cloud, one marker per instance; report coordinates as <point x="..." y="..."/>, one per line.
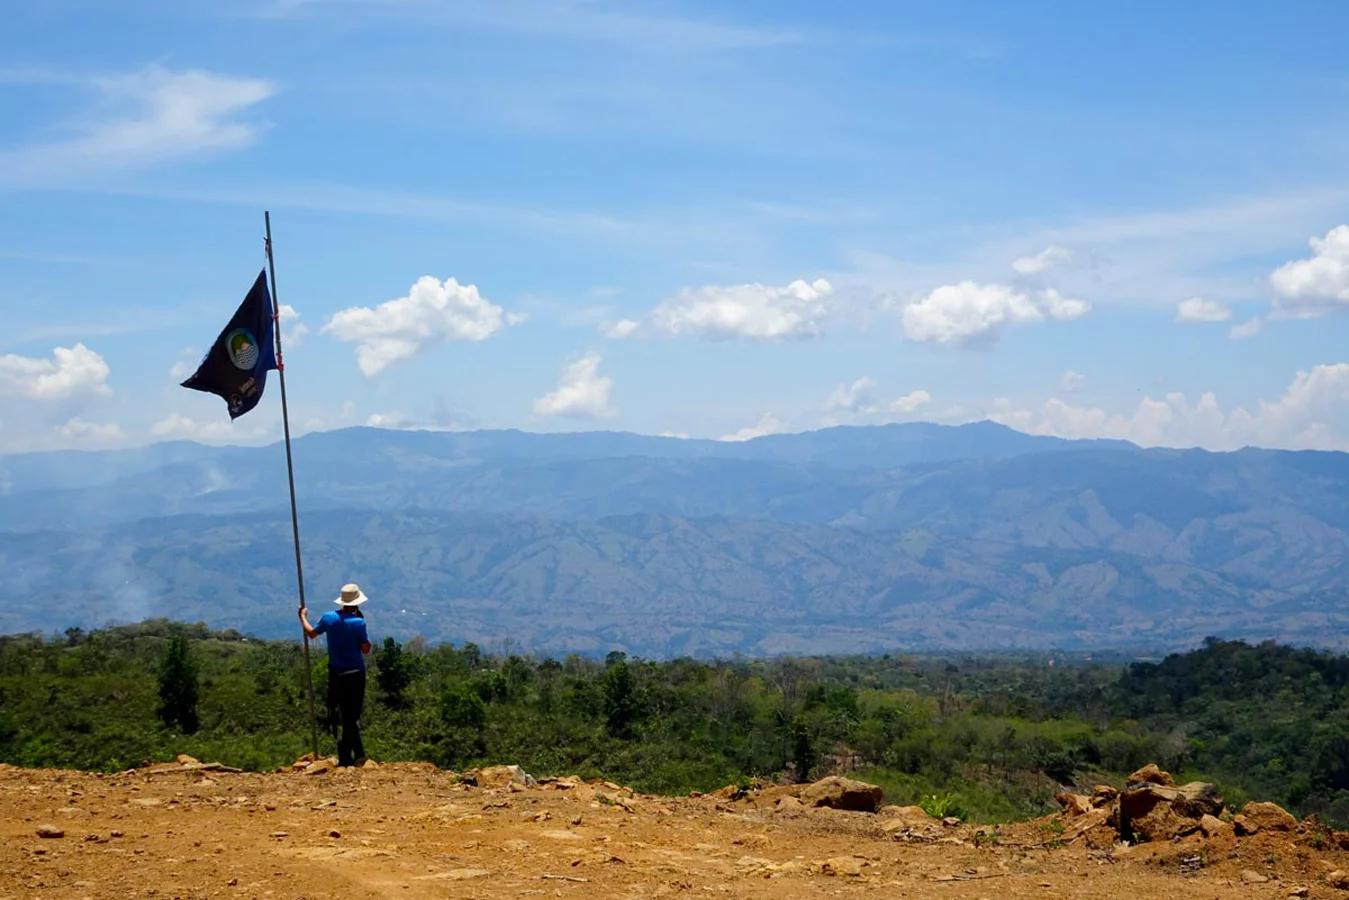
<point x="581" y="392"/>
<point x="1046" y="259"/>
<point x="1314" y="286"/>
<point x="1061" y="308"/>
<point x="966" y="312"/>
<point x="433" y="313"/>
<point x="620" y="330"/>
<point x="292" y="329"/>
<point x="1306" y="416"/>
<point x="857" y="397"/>
<point x="767" y="424"/>
<point x="156" y="115"/>
<point x="1071" y="382"/>
<point x="79" y="431"/>
<point x="910" y="402"/>
<point x="747" y="311"/>
<point x="1197" y="309"/>
<point x="71" y="372"/>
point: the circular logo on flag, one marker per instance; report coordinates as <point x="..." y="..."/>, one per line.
<point x="243" y="349"/>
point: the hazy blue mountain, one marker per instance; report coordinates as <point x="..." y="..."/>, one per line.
<point x="844" y="539"/>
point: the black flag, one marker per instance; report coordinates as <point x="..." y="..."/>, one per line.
<point x="236" y="366"/>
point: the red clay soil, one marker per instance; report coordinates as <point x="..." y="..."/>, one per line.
<point x="410" y="831"/>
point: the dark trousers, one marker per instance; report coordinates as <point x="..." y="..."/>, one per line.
<point x="346" y="700"/>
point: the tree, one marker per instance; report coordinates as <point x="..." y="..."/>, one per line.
<point x="464" y="716"/>
<point x="620" y="699"/>
<point x="804" y="757"/>
<point x="393" y="673"/>
<point x="179" y="686"/>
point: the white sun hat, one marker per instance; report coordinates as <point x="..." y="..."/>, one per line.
<point x="351" y="596"/>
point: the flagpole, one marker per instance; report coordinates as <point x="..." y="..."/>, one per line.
<point x="290" y="475"/>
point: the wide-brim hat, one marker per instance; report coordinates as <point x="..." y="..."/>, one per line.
<point x="351" y="596"/>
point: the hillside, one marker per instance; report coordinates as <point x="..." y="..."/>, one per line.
<point x="845" y="540"/>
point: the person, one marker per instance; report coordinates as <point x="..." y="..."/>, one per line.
<point x="348" y="645"/>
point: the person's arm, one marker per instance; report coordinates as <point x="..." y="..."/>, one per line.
<point x="309" y="630"/>
<point x="365" y="643"/>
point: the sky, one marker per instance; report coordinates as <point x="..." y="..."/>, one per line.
<point x="714" y="220"/>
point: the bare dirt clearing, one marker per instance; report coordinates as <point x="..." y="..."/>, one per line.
<point x="411" y="831"/>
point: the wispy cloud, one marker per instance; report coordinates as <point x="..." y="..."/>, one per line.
<point x="588" y="21"/>
<point x="143" y="118"/>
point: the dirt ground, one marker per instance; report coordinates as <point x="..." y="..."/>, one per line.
<point x="409" y="831"/>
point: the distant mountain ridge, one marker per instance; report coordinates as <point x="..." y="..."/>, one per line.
<point x="859" y="539"/>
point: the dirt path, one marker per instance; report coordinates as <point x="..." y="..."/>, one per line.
<point x="411" y="832"/>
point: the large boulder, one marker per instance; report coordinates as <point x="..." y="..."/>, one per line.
<point x="1268" y="815"/>
<point x="1151" y="811"/>
<point x="842" y="793"/>
<point x="901" y="820"/>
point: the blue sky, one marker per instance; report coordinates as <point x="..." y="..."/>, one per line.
<point x="713" y="220"/>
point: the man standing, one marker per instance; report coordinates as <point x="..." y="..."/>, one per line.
<point x="348" y="645"/>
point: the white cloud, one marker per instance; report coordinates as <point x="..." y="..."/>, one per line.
<point x="80" y="431"/>
<point x="1311" y="287"/>
<point x="1250" y="328"/>
<point x="767" y="424"/>
<point x="158" y="115"/>
<point x="1311" y="414"/>
<point x="1198" y="309"/>
<point x="967" y="312"/>
<point x="910" y="402"/>
<point x="1046" y="259"/>
<point x="386" y="420"/>
<point x="71" y="372"/>
<point x="581" y="392"/>
<point x="857" y="397"/>
<point x="178" y="426"/>
<point x="681" y="435"/>
<point x="747" y="311"/>
<point x="431" y="314"/>
<point x="292" y="329"/>
<point x="1071" y="382"/>
<point x="620" y="330"/>
<point x="1061" y="308"/>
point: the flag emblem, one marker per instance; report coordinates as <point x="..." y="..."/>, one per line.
<point x="243" y="349"/>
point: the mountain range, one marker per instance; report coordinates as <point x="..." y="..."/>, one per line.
<point x="844" y="540"/>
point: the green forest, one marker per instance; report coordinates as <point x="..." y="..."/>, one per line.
<point x="990" y="738"/>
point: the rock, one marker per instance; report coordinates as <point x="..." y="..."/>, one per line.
<point x="370" y="764"/>
<point x="1252" y="877"/>
<point x="1103" y="795"/>
<point x="789" y="803"/>
<point x="319" y="766"/>
<point x="1269" y="815"/>
<point x="1213" y="827"/>
<point x="842" y="793"/>
<point x="185" y="760"/>
<point x="504" y="777"/>
<point x="1244" y="826"/>
<point x="1150" y="774"/>
<point x="1153" y="812"/>
<point x="1202" y="798"/>
<point x="1298" y="890"/>
<point x="334" y="834"/>
<point x="951" y="822"/>
<point x="50" y="831"/>
<point x="842" y="865"/>
<point x="1342" y="839"/>
<point x="1338" y="879"/>
<point x="1074" y="804"/>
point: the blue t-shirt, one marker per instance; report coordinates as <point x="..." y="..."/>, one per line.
<point x="346" y="636"/>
